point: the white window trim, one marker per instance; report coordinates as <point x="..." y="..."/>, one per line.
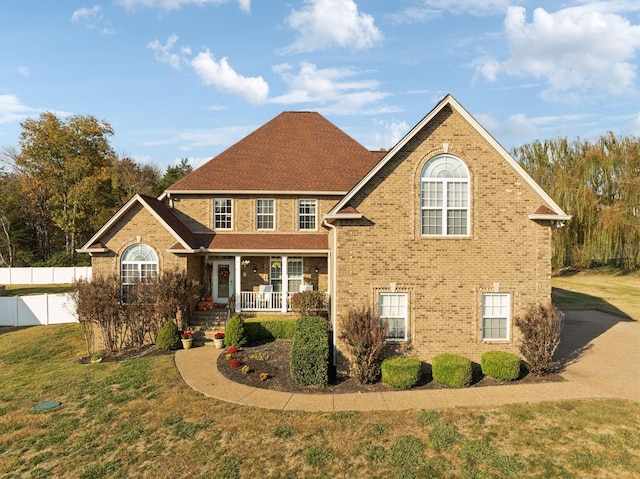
<point x="405" y="316"/>
<point x="138" y="266"/>
<point x="258" y="215"/>
<point x="445" y="191"/>
<point x="508" y="318"/>
<point x="315" y="215"/>
<point x="214" y="214"/>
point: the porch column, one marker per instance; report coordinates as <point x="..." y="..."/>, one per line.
<point x="285" y="284"/>
<point x="238" y="284"/>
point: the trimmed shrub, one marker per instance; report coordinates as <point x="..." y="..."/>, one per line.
<point x="364" y="336"/>
<point x="235" y="333"/>
<point x="401" y="372"/>
<point x="169" y="336"/>
<point x="541" y="327"/>
<point x="269" y="329"/>
<point x="452" y="370"/>
<point x="308" y="302"/>
<point x="500" y="365"/>
<point x="309" y="355"/>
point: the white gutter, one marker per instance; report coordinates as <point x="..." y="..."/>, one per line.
<point x="333" y="275"/>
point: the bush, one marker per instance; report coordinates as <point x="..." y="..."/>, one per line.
<point x="541" y="327"/>
<point x="270" y="329"/>
<point x="452" y="370"/>
<point x="500" y="365"/>
<point x="235" y="333"/>
<point x="364" y="336"/>
<point x="401" y="372"/>
<point x="309" y="355"/>
<point x="308" y="302"/>
<point x="169" y="336"/>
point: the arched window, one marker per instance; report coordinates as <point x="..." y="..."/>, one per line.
<point x="139" y="264"/>
<point x="444" y="197"/>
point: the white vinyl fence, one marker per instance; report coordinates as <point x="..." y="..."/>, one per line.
<point x="36" y="310"/>
<point x="44" y="275"/>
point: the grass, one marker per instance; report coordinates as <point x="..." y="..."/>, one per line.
<point x="605" y="289"/>
<point x="139" y="419"/>
<point x="31" y="289"/>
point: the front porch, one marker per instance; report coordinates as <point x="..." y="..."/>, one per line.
<point x="264" y="283"/>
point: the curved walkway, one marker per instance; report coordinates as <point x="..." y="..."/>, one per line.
<point x="603" y="361"/>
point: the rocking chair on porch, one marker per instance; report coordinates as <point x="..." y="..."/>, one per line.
<point x="265" y="294"/>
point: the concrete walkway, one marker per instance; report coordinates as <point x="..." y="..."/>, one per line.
<point x="602" y="354"/>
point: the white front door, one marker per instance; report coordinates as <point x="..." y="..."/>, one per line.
<point x="223" y="280"/>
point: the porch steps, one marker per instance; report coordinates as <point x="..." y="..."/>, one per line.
<point x="205" y="324"/>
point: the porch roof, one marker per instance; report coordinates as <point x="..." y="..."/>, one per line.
<point x="260" y="243"/>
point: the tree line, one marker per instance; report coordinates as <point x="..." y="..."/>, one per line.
<point x="65" y="181"/>
<point x="598" y="183"/>
<point x="62" y="184"/>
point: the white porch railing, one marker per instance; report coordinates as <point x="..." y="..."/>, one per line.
<point x="267" y="301"/>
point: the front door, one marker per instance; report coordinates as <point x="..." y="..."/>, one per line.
<point x="223" y="281"/>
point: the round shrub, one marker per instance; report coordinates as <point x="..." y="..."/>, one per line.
<point x="309" y="355"/>
<point x="401" y="372"/>
<point x="451" y="370"/>
<point x="500" y="365"/>
<point x="168" y="337"/>
<point x="235" y="333"/>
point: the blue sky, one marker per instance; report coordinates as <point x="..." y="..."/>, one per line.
<point x="187" y="78"/>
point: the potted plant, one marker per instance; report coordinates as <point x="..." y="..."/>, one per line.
<point x="187" y="339"/>
<point x="218" y="340"/>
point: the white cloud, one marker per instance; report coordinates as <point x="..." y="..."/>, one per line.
<point x="11" y="110"/>
<point x="432" y="9"/>
<point x="515" y="126"/>
<point x="392" y="133"/>
<point x="634" y="126"/>
<point x="336" y="88"/>
<point x="573" y="50"/>
<point x="164" y="53"/>
<point x="24" y="71"/>
<point x="223" y="77"/>
<point x="189" y="139"/>
<point x="327" y="23"/>
<point x="92" y="18"/>
<point x="245" y="5"/>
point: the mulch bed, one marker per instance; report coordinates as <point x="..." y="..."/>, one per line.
<point x="272" y="357"/>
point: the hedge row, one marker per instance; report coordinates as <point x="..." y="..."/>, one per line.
<point x="310" y="352"/>
<point x="258" y="330"/>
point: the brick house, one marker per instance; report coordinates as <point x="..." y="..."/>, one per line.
<point x="444" y="235"/>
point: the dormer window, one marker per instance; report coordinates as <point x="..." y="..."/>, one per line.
<point x="444" y="197"/>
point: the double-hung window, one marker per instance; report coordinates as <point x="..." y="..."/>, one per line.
<point x="444" y="197"/>
<point x="222" y="214"/>
<point x="265" y="214"/>
<point x="307" y="214"/>
<point x="496" y="316"/>
<point x="392" y="307"/>
<point x="294" y="273"/>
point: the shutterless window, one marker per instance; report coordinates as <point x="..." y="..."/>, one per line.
<point x="139" y="264"/>
<point x="496" y="316"/>
<point x="294" y="272"/>
<point x="392" y="307"/>
<point x="307" y="212"/>
<point x="222" y="214"/>
<point x="265" y="214"/>
<point x="444" y="197"/>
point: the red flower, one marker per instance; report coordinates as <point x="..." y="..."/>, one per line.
<point x="187" y="335"/>
<point x="232" y="350"/>
<point x="219" y="335"/>
<point x="234" y="363"/>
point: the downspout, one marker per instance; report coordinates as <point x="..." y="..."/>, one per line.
<point x="333" y="274"/>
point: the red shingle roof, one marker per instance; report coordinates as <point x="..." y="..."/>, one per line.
<point x="261" y="242"/>
<point x="295" y="151"/>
